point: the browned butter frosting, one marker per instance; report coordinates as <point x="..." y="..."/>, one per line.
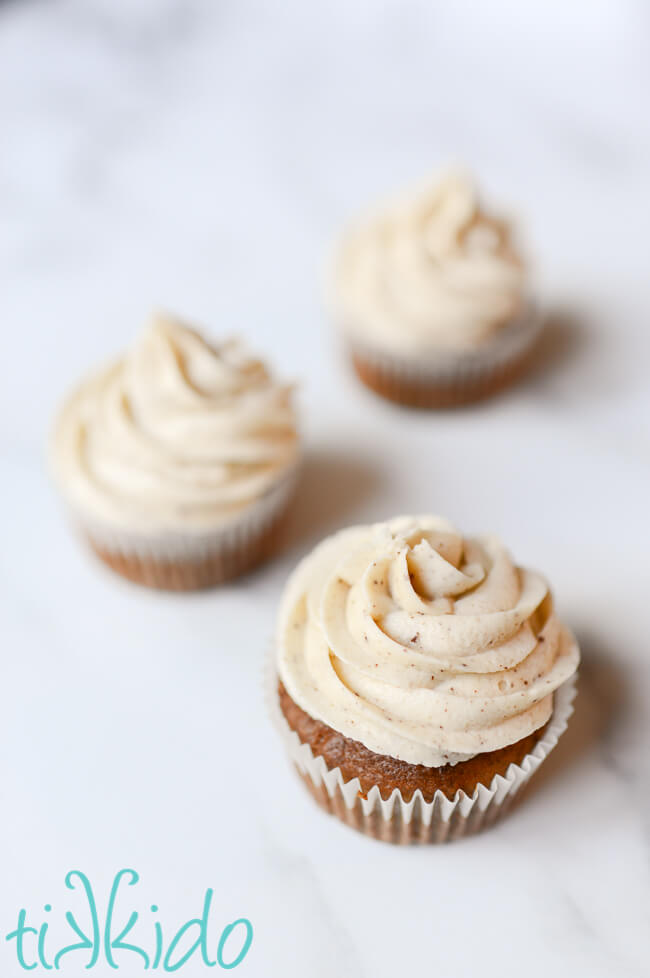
<point x="420" y="643"/>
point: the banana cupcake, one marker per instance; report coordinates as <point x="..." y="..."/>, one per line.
<point x="431" y="295"/>
<point x="422" y="677"/>
<point x="178" y="460"/>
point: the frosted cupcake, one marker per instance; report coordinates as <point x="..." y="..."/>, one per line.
<point x="178" y="460"/>
<point x="423" y="677"/>
<point x="431" y="295"/>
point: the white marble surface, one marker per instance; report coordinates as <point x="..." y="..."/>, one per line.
<point x="200" y="156"/>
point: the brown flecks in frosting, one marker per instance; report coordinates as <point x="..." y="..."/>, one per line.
<point x="492" y="623"/>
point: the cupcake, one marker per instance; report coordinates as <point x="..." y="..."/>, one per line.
<point x="178" y="460"/>
<point x="431" y="295"/>
<point x="422" y="677"/>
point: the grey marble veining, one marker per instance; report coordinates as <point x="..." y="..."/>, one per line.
<point x="202" y="156"/>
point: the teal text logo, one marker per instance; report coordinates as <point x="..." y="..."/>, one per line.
<point x="123" y="937"/>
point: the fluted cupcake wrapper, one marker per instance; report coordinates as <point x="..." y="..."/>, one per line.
<point x="447" y="380"/>
<point x="416" y="821"/>
<point x="184" y="561"/>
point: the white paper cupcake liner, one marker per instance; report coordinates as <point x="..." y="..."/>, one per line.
<point x="417" y="821"/>
<point x="184" y="560"/>
<point x="448" y="378"/>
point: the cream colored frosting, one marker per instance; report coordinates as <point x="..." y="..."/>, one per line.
<point x="177" y="434"/>
<point x="423" y="645"/>
<point x="431" y="273"/>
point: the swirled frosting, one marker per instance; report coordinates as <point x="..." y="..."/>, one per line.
<point x="421" y="644"/>
<point x="431" y="273"/>
<point x="177" y="434"/>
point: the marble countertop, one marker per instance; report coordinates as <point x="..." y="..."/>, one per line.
<point x="201" y="157"/>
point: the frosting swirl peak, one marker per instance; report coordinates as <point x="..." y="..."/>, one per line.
<point x="431" y="273"/>
<point x="178" y="433"/>
<point x="422" y="644"/>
